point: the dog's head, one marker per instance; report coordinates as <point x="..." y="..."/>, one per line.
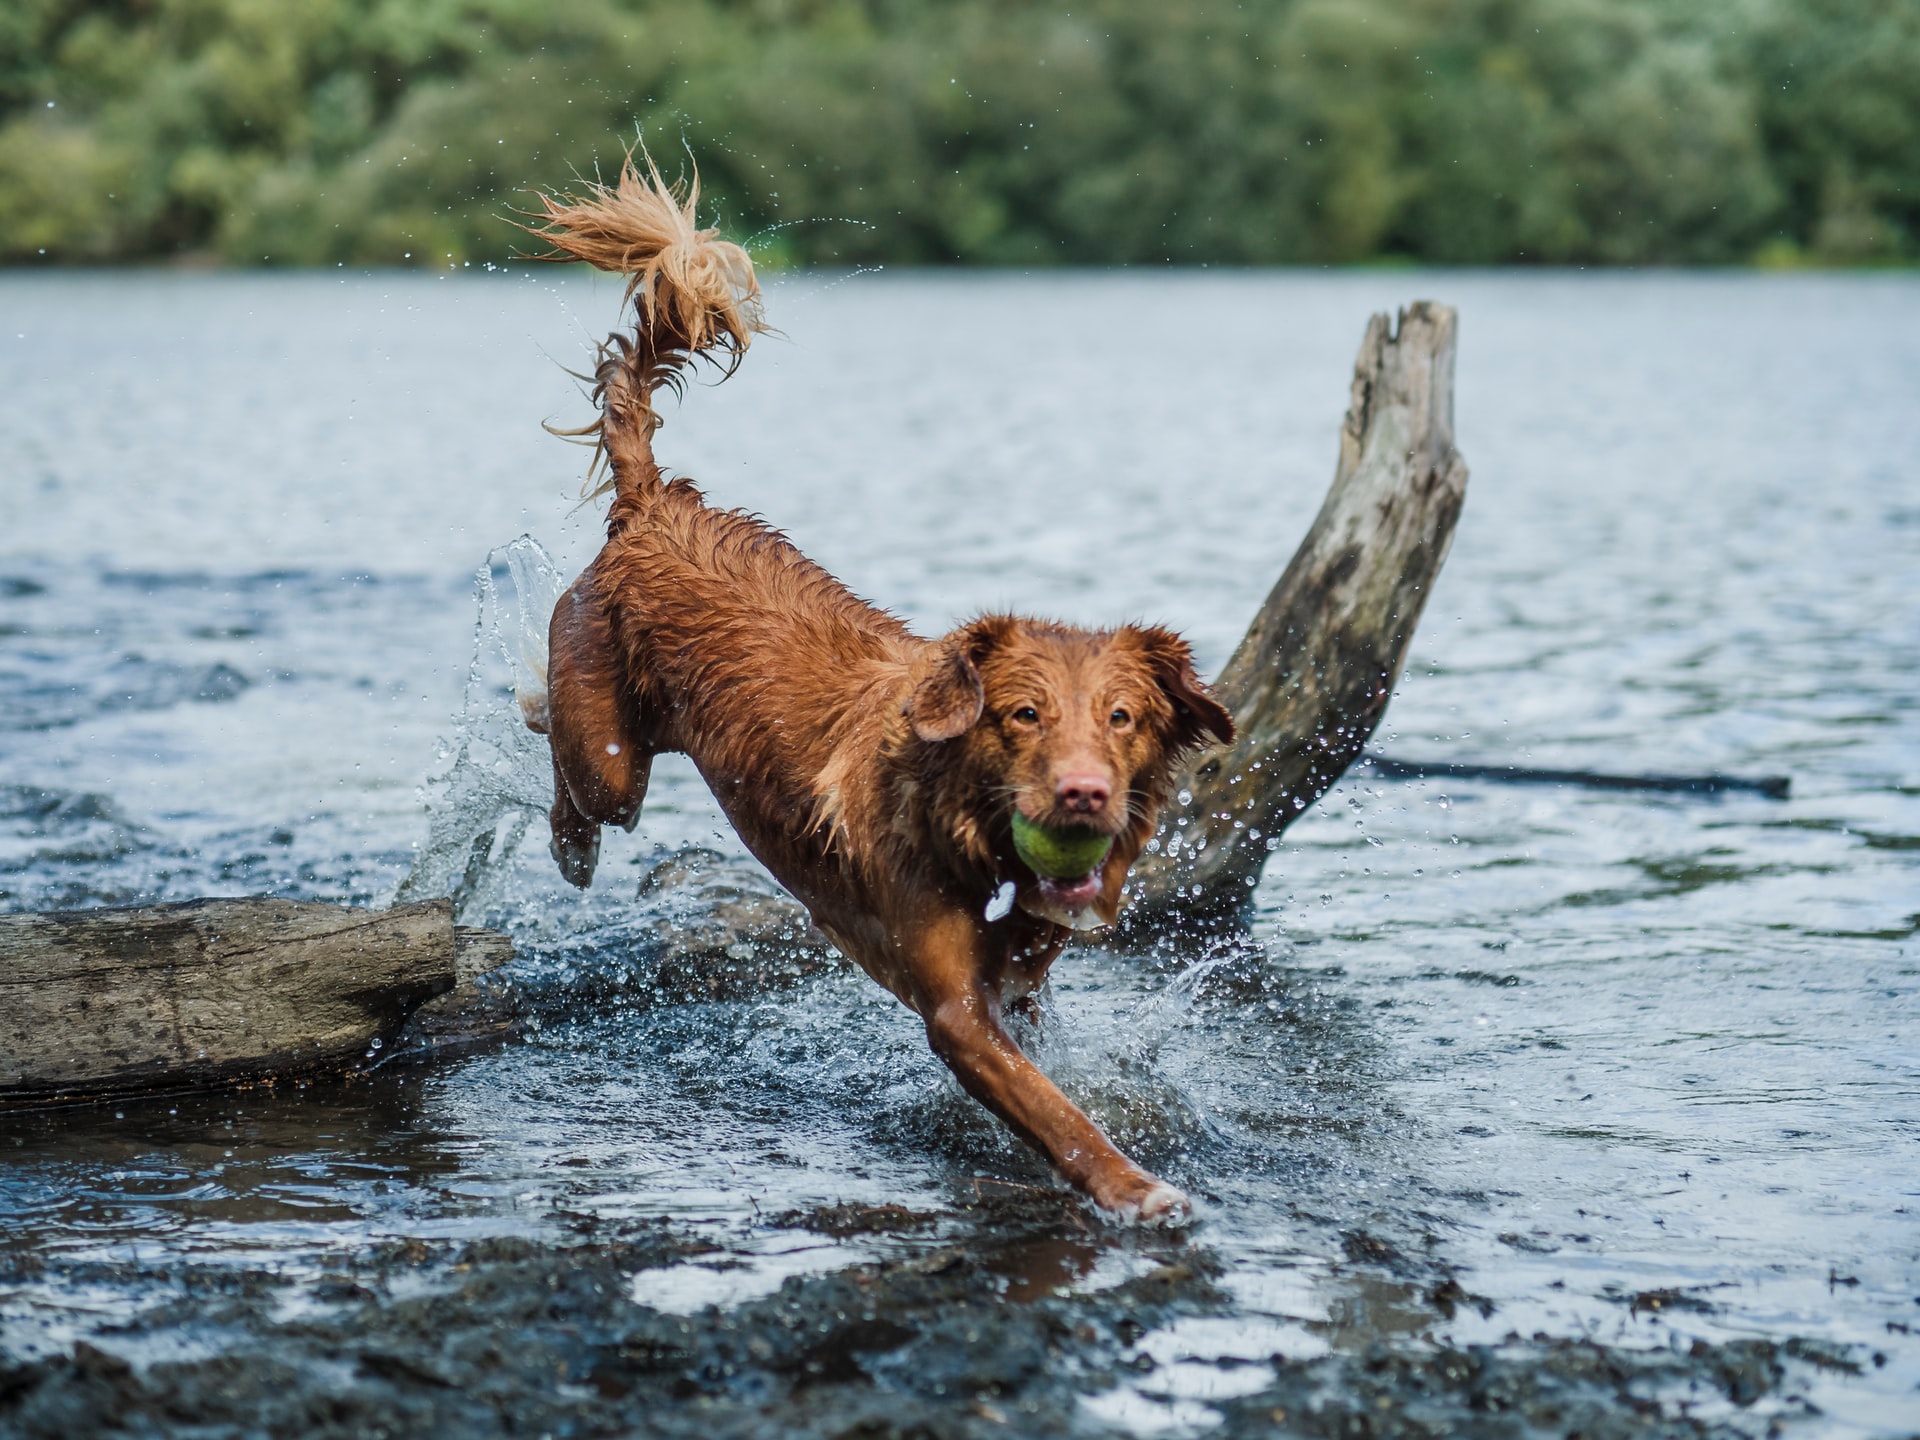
<point x="1057" y="748"/>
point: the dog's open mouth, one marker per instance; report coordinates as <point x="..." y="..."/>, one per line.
<point x="1066" y="858"/>
<point x="1071" y="894"/>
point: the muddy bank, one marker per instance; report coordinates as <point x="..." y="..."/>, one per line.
<point x="977" y="1326"/>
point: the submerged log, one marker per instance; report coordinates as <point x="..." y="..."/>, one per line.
<point x="1774" y="787"/>
<point x="483" y="1007"/>
<point x="1309" y="682"/>
<point x="726" y="931"/>
<point x="96" y="1002"/>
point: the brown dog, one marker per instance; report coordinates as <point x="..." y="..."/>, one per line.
<point x="948" y="810"/>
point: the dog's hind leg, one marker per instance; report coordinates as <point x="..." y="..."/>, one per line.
<point x="600" y="760"/>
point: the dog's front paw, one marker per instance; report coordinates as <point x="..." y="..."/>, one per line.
<point x="1164" y="1205"/>
<point x="1140" y="1199"/>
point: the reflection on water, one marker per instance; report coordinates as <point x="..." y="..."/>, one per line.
<point x="1559" y="1051"/>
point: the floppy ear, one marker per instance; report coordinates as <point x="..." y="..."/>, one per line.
<point x="948" y="701"/>
<point x="1198" y="718"/>
<point x="945" y="705"/>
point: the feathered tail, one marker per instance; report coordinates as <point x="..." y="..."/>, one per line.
<point x="694" y="295"/>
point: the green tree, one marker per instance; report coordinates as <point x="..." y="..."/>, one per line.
<point x="973" y="131"/>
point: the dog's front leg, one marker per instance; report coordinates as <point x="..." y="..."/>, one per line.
<point x="961" y="1007"/>
<point x="600" y="768"/>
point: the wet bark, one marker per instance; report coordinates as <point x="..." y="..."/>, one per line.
<point x="97" y="1002"/>
<point x="1311" y="679"/>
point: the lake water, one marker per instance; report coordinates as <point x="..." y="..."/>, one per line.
<point x="1579" y="1046"/>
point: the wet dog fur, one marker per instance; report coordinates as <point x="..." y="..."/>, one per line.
<point x="874" y="773"/>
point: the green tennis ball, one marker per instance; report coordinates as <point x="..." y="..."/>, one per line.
<point x="1065" y="854"/>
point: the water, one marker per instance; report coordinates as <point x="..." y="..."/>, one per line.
<point x="1581" y="1046"/>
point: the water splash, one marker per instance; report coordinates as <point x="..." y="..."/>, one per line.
<point x="1175" y="1005"/>
<point x="498" y="775"/>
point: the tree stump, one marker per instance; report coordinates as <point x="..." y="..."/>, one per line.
<point x="1309" y="682"/>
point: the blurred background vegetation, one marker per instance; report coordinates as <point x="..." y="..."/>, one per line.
<point x="308" y="132"/>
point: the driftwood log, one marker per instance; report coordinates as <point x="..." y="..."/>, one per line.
<point x="1307" y="685"/>
<point x="96" y="1002"/>
<point x="1311" y="679"/>
<point x="107" y="1001"/>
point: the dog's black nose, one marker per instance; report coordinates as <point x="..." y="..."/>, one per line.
<point x="1082" y="794"/>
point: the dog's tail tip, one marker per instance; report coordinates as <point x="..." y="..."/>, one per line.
<point x="696" y="292"/>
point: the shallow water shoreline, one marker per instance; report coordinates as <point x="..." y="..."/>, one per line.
<point x="975" y="1330"/>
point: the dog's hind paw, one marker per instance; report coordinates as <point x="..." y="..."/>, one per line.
<point x="577" y="859"/>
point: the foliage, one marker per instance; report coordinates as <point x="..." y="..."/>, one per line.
<point x="988" y="131"/>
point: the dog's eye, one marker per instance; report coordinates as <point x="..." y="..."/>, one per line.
<point x="1027" y="715"/>
<point x="1120" y="719"/>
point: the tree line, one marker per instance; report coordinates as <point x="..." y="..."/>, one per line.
<point x="1000" y="132"/>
